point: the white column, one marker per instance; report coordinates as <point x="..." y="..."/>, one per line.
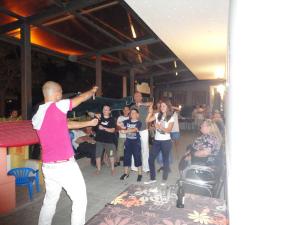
<point x="263" y="115"/>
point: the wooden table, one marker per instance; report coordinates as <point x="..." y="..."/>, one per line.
<point x="150" y="205"/>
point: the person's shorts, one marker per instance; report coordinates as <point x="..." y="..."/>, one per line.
<point x="175" y="135"/>
<point x="121" y="142"/>
<point x="133" y="148"/>
<point x="110" y="149"/>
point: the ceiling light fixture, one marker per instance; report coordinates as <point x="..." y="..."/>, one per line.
<point x="134" y="36"/>
<point x="175" y="65"/>
<point x="219" y="72"/>
<point x="221" y="90"/>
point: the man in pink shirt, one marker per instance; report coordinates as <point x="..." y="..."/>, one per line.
<point x="59" y="168"/>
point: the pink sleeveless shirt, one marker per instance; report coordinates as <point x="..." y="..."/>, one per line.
<point x="50" y="121"/>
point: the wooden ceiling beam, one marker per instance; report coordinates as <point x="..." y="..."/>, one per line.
<point x="122" y="47"/>
<point x="49" y="13"/>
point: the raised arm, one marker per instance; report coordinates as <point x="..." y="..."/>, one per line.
<point x="177" y="109"/>
<point x="81" y="124"/>
<point x="83" y="97"/>
<point x="150" y="117"/>
<point x="145" y="104"/>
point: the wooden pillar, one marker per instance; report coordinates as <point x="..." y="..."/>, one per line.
<point x="99" y="75"/>
<point x="124" y="86"/>
<point x="2" y="103"/>
<point x="26" y="78"/>
<point x="151" y="87"/>
<point x="131" y="82"/>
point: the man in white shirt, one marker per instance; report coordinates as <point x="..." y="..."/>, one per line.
<point x="143" y="108"/>
<point x="84" y="144"/>
<point x="122" y="136"/>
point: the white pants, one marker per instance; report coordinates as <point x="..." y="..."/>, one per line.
<point x="145" y="151"/>
<point x="65" y="175"/>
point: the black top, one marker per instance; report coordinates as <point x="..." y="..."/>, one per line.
<point x="102" y="135"/>
<point x="130" y="124"/>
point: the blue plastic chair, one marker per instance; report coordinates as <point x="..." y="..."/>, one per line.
<point x="26" y="177"/>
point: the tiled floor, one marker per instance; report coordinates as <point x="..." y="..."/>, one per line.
<point x="100" y="190"/>
<point x="22" y="196"/>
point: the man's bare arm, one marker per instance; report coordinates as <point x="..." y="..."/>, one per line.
<point x="81" y="124"/>
<point x="85" y="139"/>
<point x="145" y="103"/>
<point x="177" y="109"/>
<point x="150" y="117"/>
<point x="83" y="97"/>
<point x="202" y="153"/>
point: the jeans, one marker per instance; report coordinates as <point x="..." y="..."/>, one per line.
<point x="159" y="158"/>
<point x="145" y="151"/>
<point x="65" y="175"/>
<point x="132" y="148"/>
<point x="164" y="147"/>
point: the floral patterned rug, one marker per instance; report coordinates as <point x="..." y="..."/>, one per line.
<point x="153" y="205"/>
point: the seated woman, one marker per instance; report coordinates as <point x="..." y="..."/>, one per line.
<point x="205" y="148"/>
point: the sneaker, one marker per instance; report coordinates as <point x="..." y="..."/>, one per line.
<point x="139" y="178"/>
<point x="150" y="182"/>
<point x="124" y="176"/>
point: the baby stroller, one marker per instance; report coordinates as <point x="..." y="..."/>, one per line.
<point x="200" y="178"/>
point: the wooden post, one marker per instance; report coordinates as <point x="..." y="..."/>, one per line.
<point x="132" y="82"/>
<point x="151" y="87"/>
<point x="2" y="103"/>
<point x="124" y="86"/>
<point x="99" y="75"/>
<point x="26" y="78"/>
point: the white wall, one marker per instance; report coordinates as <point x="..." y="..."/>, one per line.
<point x="264" y="168"/>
